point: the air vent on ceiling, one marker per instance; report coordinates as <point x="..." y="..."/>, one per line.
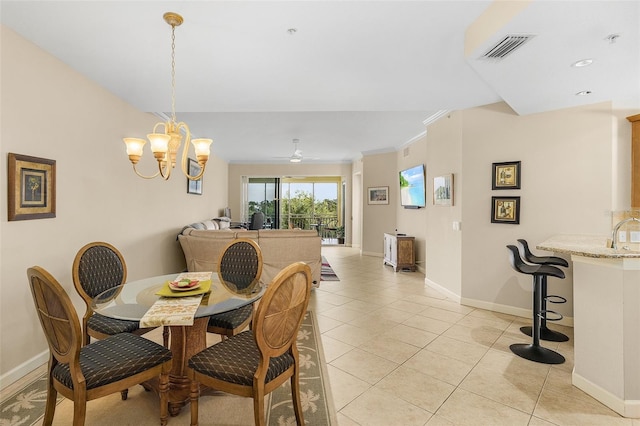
<point x="506" y="46"/>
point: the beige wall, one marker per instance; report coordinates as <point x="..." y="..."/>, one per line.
<point x="566" y="188"/>
<point x="51" y="111"/>
<point x="379" y="170"/>
<point x="444" y="244"/>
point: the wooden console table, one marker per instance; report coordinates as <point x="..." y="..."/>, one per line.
<point x="399" y="252"/>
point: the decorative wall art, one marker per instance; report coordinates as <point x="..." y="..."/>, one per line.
<point x="194" y="186"/>
<point x="443" y="190"/>
<point x="505" y="210"/>
<point x="506" y="175"/>
<point x="31" y="187"/>
<point x="378" y="195"/>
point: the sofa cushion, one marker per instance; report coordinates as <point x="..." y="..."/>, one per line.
<point x="210" y="225"/>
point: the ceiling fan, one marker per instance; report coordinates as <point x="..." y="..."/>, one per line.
<point x="296" y="157"/>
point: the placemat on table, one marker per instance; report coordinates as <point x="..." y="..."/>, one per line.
<point x="171" y="311"/>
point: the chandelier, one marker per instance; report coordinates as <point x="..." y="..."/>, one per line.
<point x="165" y="145"/>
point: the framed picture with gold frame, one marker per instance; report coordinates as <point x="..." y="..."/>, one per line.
<point x="505" y="210"/>
<point x="506" y="175"/>
<point x="31" y="187"/>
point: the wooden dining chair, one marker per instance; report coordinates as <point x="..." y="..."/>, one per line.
<point x="98" y="267"/>
<point x="239" y="269"/>
<point x="82" y="373"/>
<point x="257" y="361"/>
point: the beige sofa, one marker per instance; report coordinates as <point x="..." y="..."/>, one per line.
<point x="280" y="248"/>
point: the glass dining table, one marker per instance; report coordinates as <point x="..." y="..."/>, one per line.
<point x="132" y="300"/>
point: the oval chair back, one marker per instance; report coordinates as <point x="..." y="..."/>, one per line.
<point x="57" y="316"/>
<point x="98" y="267"/>
<point x="281" y="311"/>
<point x="240" y="265"/>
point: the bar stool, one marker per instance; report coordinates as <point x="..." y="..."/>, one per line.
<point x="545" y="333"/>
<point x="535" y="352"/>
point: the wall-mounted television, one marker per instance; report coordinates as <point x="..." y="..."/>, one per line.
<point x="412" y="187"/>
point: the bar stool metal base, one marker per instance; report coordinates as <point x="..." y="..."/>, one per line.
<point x="536" y="353"/>
<point x="546" y="334"/>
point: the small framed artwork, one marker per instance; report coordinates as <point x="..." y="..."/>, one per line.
<point x="378" y="195"/>
<point x="32" y="187"/>
<point x="194" y="186"/>
<point x="443" y="190"/>
<point x="505" y="210"/>
<point x="506" y="175"/>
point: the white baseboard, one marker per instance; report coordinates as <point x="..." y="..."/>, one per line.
<point x="490" y="306"/>
<point x="23" y="369"/>
<point x="626" y="408"/>
<point x="451" y="295"/>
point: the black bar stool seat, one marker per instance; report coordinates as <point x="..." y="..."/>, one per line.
<point x="545" y="332"/>
<point x="533" y="351"/>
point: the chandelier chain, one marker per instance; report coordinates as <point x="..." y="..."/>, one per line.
<point x="173" y="73"/>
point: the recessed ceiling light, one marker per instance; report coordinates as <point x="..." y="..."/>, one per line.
<point x="582" y="63"/>
<point x="583" y="93"/>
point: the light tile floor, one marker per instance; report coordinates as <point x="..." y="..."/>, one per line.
<point x="401" y="353"/>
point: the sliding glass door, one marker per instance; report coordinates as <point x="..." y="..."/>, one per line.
<point x="263" y="194"/>
<point x="300" y="202"/>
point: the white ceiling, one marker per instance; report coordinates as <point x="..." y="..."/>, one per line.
<point x="357" y="77"/>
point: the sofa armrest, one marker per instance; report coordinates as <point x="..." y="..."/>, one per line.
<point x="280" y="248"/>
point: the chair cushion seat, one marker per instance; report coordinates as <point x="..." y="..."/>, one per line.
<point x="113" y="359"/>
<point x="111" y="326"/>
<point x="236" y="359"/>
<point x="231" y="319"/>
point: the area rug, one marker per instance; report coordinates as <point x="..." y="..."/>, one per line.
<point x="25" y="406"/>
<point x="327" y="273"/>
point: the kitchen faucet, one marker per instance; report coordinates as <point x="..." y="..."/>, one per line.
<point x="614" y="237"/>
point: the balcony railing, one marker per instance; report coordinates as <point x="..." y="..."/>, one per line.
<point x="325" y="224"/>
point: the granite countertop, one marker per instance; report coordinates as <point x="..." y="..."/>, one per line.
<point x="585" y="245"/>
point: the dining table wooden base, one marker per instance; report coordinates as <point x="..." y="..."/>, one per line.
<point x="186" y="341"/>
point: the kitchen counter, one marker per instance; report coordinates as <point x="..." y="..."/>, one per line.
<point x="606" y="319"/>
<point x="585" y="245"/>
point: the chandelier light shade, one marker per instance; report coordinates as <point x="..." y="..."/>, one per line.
<point x="166" y="139"/>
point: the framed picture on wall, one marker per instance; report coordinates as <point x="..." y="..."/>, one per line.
<point x="194" y="186"/>
<point x="378" y="195"/>
<point x="505" y="210"/>
<point x="443" y="190"/>
<point x="31" y="187"/>
<point x="506" y="175"/>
